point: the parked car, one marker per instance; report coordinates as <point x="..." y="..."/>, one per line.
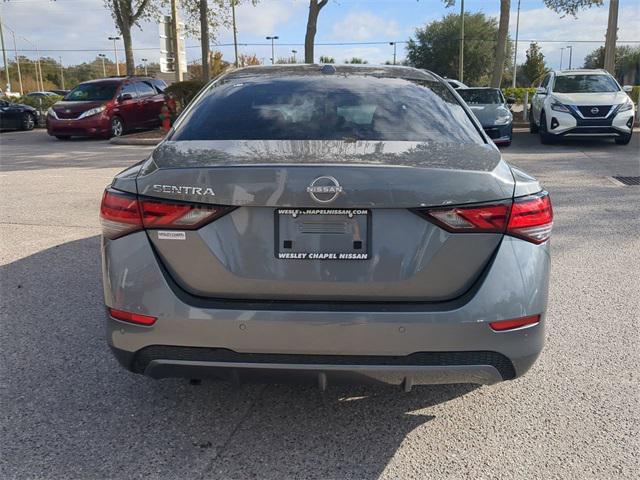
<point x="492" y="110"/>
<point x="41" y="94"/>
<point x="107" y="107"/>
<point x="61" y="93"/>
<point x="335" y="222"/>
<point x="456" y="84"/>
<point x="582" y="103"/>
<point x="17" y="116"/>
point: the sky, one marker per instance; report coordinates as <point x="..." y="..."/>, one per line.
<point x="77" y="30"/>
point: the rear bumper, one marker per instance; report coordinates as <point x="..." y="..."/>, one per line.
<point x="448" y="342"/>
<point x="95" y="126"/>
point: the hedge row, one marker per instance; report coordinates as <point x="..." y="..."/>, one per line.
<point x="41" y="103"/>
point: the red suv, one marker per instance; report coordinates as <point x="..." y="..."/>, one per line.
<point x="107" y="108"/>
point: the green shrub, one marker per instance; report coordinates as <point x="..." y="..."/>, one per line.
<point x="518" y="93"/>
<point x="184" y="92"/>
<point x="41" y="103"/>
<point x="635" y="93"/>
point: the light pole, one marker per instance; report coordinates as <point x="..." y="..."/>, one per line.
<point x="61" y="73"/>
<point x="515" y="50"/>
<point x="461" y="60"/>
<point x="561" y="52"/>
<point x="115" y="53"/>
<point x="273" y="51"/>
<point x="394" y="51"/>
<point x="570" y="55"/>
<point x="4" y="59"/>
<point x="294" y="55"/>
<point x="104" y="70"/>
<point x="144" y="61"/>
<point x="235" y="30"/>
<point x="15" y="51"/>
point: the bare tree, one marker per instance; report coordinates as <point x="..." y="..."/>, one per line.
<point x="126" y="14"/>
<point x="501" y="45"/>
<point x="312" y="24"/>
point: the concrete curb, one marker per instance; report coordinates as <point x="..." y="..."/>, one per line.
<point x="134" y="141"/>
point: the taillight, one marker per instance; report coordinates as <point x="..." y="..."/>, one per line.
<point x="122" y="213"/>
<point x="502" y="325"/>
<point x="132" y="317"/>
<point x="529" y="218"/>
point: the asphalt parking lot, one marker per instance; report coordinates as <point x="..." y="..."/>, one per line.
<point x="69" y="412"/>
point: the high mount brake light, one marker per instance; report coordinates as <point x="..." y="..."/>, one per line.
<point x="122" y="213"/>
<point x="529" y="217"/>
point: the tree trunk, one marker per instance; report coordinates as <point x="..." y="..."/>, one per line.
<point x="204" y="39"/>
<point x="312" y="25"/>
<point x="501" y="47"/>
<point x="125" y="30"/>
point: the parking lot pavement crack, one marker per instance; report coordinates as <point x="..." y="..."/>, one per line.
<point x="223" y="448"/>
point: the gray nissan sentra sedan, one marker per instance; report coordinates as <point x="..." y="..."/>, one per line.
<point x="328" y="224"/>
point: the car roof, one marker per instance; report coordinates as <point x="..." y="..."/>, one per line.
<point x="118" y="79"/>
<point x="383" y="71"/>
<point x="582" y="71"/>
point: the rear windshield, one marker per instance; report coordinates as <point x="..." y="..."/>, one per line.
<point x="86" y="92"/>
<point x="480" y="96"/>
<point x="328" y="108"/>
<point x="585" y="84"/>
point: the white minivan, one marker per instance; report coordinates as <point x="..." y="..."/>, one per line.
<point x="582" y="103"/>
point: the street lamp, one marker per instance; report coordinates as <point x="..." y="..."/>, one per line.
<point x="104" y="70"/>
<point x="273" y="53"/>
<point x="394" y="51"/>
<point x="570" y="55"/>
<point x="115" y="53"/>
<point x="144" y="61"/>
<point x="561" y="52"/>
<point x="294" y="55"/>
<point x="62" y="73"/>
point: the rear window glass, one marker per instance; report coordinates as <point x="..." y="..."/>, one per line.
<point x="328" y="108"/>
<point x="480" y="96"/>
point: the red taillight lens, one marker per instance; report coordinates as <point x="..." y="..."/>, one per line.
<point x="122" y="213"/>
<point x="531" y="218"/>
<point x="476" y="218"/>
<point x="119" y="214"/>
<point x="503" y="325"/>
<point x="132" y="317"/>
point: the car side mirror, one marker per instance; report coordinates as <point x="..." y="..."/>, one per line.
<point x="541" y="91"/>
<point x="511" y="100"/>
<point x="125" y="96"/>
<point x="627" y="88"/>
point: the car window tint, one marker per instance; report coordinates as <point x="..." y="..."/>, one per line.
<point x="584" y="84"/>
<point x="144" y="89"/>
<point x="159" y="85"/>
<point x="482" y="96"/>
<point x="545" y="81"/>
<point x="328" y="108"/>
<point x="92" y="92"/>
<point x="130" y="89"/>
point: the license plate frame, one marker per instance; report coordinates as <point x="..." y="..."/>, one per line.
<point x="336" y="234"/>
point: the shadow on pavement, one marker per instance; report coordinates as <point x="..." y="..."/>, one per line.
<point x="69" y="410"/>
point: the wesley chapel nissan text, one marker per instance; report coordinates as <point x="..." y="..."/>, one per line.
<point x="363" y="228"/>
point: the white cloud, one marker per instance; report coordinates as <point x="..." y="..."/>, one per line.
<point x="266" y="19"/>
<point x="364" y="25"/>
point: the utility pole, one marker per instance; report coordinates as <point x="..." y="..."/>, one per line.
<point x="62" y="73"/>
<point x="39" y="65"/>
<point x="570" y="48"/>
<point x="561" y="52"/>
<point x="15" y="51"/>
<point x="610" y="42"/>
<point x="394" y="51"/>
<point x="4" y="59"/>
<point x="115" y="53"/>
<point x="104" y="69"/>
<point x="515" y="50"/>
<point x="146" y="72"/>
<point x="235" y="30"/>
<point x="461" y="60"/>
<point x="273" y="50"/>
<point x="294" y="55"/>
<point x="176" y="40"/>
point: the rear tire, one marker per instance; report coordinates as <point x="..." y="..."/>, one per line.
<point x="28" y="122"/>
<point x="533" y="128"/>
<point x="624" y="140"/>
<point x="117" y="127"/>
<point x="63" y="137"/>
<point x="545" y="137"/>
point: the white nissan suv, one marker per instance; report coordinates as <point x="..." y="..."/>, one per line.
<point x="581" y="103"/>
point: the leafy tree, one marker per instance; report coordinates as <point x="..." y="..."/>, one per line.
<point x="627" y="59"/>
<point x="534" y="67"/>
<point x="356" y="61"/>
<point x="327" y="59"/>
<point x="247" y="60"/>
<point x="571" y="7"/>
<point x="436" y="47"/>
<point x="312" y="25"/>
<point x="126" y="14"/>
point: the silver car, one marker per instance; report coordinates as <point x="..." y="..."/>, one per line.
<point x="493" y="111"/>
<point x="326" y="223"/>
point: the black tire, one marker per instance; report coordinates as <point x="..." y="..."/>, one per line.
<point x="28" y="122"/>
<point x="533" y="128"/>
<point x="624" y="140"/>
<point x="545" y="137"/>
<point x="116" y="127"/>
<point x="63" y="137"/>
